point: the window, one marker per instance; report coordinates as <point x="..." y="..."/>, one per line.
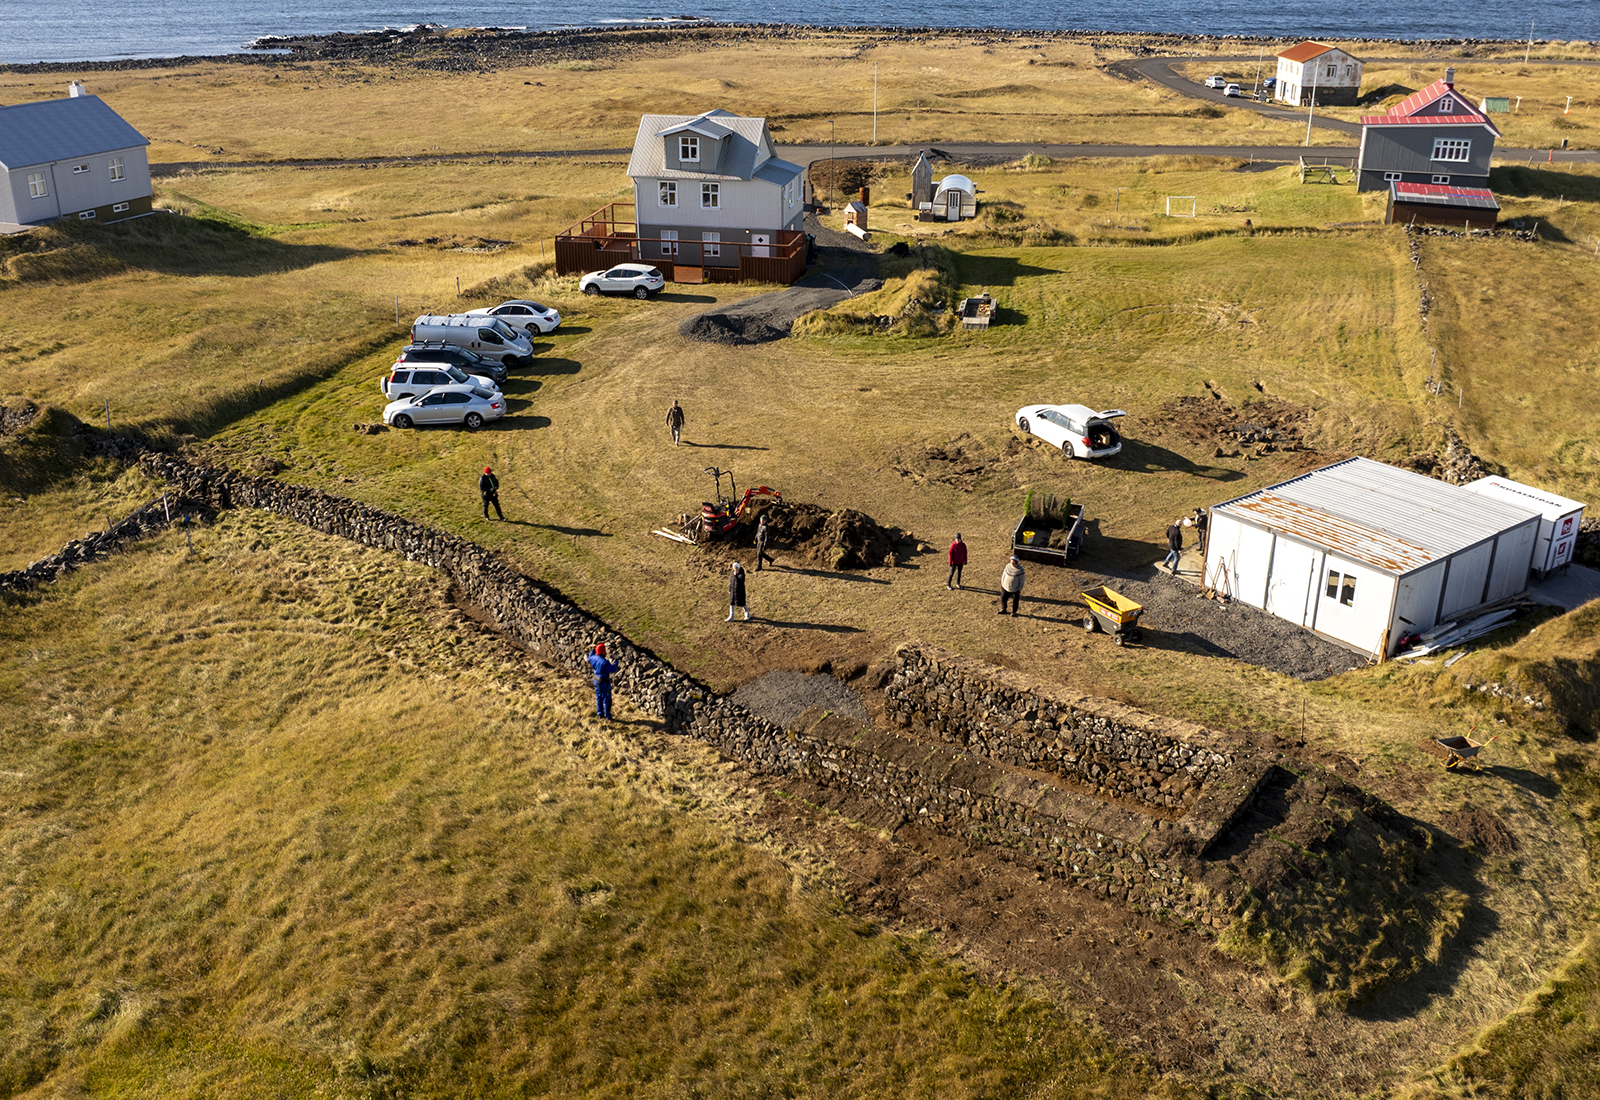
<point x="116" y="169"/>
<point x="669" y="242"/>
<point x="1452" y="149"/>
<point x="36" y="187"/>
<point x="1447" y="106"/>
<point x="1392" y="177"/>
<point x="79" y="169"/>
<point x="1332" y="591"/>
<point x="711" y="244"/>
<point x="119" y="208"/>
<point x="710" y="196"/>
<point x="688" y="148"/>
<point x="1333" y="71"/>
<point x="669" y="194"/>
<point x="1340" y="588"/>
<point x="1441" y="179"/>
<point x="85" y="215"/>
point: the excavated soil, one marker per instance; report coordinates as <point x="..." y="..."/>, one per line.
<point x="846" y="539"/>
<point x="1263" y="425"/>
<point x="961" y="463"/>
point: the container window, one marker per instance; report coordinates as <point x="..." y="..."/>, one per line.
<point x="1347" y="593"/>
<point x="1332" y="591"/>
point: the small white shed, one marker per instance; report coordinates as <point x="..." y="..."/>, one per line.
<point x="955" y="198"/>
<point x="1362" y="553"/>
<point x="1558" y="531"/>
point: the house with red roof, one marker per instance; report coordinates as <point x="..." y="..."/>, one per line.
<point x="1435" y="136"/>
<point x="1317" y="70"/>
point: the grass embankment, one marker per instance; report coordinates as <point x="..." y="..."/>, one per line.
<point x="272" y="828"/>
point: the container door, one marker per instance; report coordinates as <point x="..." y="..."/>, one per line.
<point x="1562" y="541"/>
<point x="1294" y="574"/>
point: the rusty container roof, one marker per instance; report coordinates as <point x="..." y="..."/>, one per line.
<point x="1392" y="519"/>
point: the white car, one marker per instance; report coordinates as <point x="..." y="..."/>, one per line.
<point x="1232" y="90"/>
<point x="1216" y="82"/>
<point x="530" y="317"/>
<point x="469" y="406"/>
<point x="640" y="280"/>
<point x="407" y="380"/>
<point x="1078" y="430"/>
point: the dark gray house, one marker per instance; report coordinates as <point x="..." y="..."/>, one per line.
<point x="1435" y="136"/>
<point x="710" y="188"/>
<point x="71" y="158"/>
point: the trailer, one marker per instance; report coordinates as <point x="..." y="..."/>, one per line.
<point x="977" y="311"/>
<point x="1048" y="532"/>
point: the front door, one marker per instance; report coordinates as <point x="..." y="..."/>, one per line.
<point x="952" y="206"/>
<point x="760" y="244"/>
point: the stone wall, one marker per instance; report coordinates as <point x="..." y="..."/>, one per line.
<point x="1117" y="852"/>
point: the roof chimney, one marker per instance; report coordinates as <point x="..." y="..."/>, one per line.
<point x="76" y="89"/>
<point x="1450" y="77"/>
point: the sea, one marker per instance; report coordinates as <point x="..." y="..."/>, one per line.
<point x="88" y="30"/>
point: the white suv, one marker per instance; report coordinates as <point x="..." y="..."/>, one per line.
<point x="416" y="379"/>
<point x="1216" y="82"/>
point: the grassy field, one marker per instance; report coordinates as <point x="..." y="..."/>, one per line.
<point x="374" y="884"/>
<point x="272" y="827"/>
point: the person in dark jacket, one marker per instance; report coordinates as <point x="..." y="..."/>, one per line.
<point x="736" y="593"/>
<point x="1174" y="545"/>
<point x="1202" y="520"/>
<point x="1011" y="582"/>
<point x="489" y="489"/>
<point x="603" y="669"/>
<point x="763" y="536"/>
<point x="957" y="558"/>
<point x="675" y="421"/>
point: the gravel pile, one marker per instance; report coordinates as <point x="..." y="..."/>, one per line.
<point x="782" y="696"/>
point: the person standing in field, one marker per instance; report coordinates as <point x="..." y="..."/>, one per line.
<point x="675" y="421"/>
<point x="1011" y="585"/>
<point x="957" y="558"/>
<point x="1202" y="519"/>
<point x="489" y="490"/>
<point x="762" y="537"/>
<point x="1174" y="545"/>
<point x="736" y="593"/>
<point x="603" y="669"/>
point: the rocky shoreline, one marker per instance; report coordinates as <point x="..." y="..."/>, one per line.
<point x="476" y="49"/>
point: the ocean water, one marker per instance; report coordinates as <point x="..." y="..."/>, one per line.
<point x="81" y="30"/>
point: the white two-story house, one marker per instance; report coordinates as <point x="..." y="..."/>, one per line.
<point x="1314" y="69"/>
<point x="709" y="188"/>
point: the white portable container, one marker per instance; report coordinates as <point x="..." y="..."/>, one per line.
<point x="1559" y="518"/>
<point x="488" y="336"/>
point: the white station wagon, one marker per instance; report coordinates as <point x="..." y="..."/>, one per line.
<point x="1078" y="430"/>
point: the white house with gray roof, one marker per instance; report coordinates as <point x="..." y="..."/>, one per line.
<point x="71" y="158"/>
<point x="705" y="184"/>
<point x="1364" y="553"/>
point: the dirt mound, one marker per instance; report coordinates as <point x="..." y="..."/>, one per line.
<point x="736" y="329"/>
<point x="846" y="539"/>
<point x="1482" y="829"/>
<point x="1266" y="425"/>
<point x="961" y="463"/>
<point x="15" y="418"/>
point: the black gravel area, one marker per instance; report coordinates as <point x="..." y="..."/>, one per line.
<point x="783" y="695"/>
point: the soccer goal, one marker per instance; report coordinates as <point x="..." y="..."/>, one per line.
<point x="1180" y="200"/>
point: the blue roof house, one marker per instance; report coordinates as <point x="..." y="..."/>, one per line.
<point x="71" y="158"/>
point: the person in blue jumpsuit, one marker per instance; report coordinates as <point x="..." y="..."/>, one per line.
<point x="602" y="680"/>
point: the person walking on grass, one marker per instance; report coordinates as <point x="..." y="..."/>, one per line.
<point x="489" y="490"/>
<point x="762" y="538"/>
<point x="675" y="421"/>
<point x="1011" y="585"/>
<point x="603" y="669"/>
<point x="736" y="593"/>
<point x="1174" y="546"/>
<point x="957" y="558"/>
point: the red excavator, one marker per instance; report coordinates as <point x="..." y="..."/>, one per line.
<point x="720" y="517"/>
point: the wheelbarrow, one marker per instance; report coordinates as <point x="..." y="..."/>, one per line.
<point x="1458" y="752"/>
<point x="1115" y="614"/>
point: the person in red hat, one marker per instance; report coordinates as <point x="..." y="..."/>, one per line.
<point x="489" y="489"/>
<point x="603" y="669"/>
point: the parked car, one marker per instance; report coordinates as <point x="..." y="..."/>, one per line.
<point x="469" y="406"/>
<point x="405" y="381"/>
<point x="469" y="361"/>
<point x="640" y="280"/>
<point x="484" y="335"/>
<point x="1216" y="81"/>
<point x="1078" y="430"/>
<point x="1232" y="90"/>
<point x="530" y="317"/>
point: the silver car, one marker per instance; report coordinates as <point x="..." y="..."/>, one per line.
<point x="530" y="317"/>
<point x="469" y="406"/>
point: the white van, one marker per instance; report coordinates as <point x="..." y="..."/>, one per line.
<point x="489" y="336"/>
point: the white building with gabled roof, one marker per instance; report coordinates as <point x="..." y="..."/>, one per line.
<point x="72" y="157"/>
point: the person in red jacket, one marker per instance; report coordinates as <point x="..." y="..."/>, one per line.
<point x="958" y="558"/>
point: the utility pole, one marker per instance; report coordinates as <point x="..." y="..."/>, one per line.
<point x="1312" y="106"/>
<point x="1261" y="53"/>
<point x="833" y="167"/>
<point x="875" y="103"/>
<point x="1529" y="51"/>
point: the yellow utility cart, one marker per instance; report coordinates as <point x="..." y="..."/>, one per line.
<point x="1115" y="614"/>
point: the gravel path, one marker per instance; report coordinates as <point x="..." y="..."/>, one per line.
<point x="783" y="695"/>
<point x="846" y="267"/>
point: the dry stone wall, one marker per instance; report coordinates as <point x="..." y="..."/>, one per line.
<point x="1116" y="852"/>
